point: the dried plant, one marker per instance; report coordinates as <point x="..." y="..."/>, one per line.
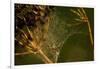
<point x="84" y="19"/>
<point x="32" y="34"/>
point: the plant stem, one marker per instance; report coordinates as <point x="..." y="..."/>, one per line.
<point x="90" y="32"/>
<point x="89" y="27"/>
<point x="24" y="53"/>
<point x="44" y="57"/>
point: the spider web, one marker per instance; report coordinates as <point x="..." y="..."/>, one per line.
<point x="56" y="35"/>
